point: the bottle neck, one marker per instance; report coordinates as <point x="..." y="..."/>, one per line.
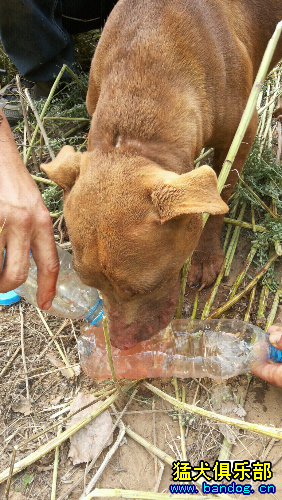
<point x="96" y="313"/>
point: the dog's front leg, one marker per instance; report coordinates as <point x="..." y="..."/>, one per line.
<point x="208" y="256"/>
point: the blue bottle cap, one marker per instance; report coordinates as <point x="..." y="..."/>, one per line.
<point x="275" y="354"/>
<point x="9" y="298"/>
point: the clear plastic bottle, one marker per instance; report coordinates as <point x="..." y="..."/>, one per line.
<point x="217" y="349"/>
<point x="73" y="299"/>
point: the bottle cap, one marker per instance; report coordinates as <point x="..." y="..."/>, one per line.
<point x="275" y="354"/>
<point x="9" y="298"/>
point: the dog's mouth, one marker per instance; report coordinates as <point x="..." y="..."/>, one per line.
<point x="148" y="321"/>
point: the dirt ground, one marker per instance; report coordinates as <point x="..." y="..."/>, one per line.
<point x="132" y="467"/>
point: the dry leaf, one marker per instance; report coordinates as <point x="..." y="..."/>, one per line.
<point x="229" y="433"/>
<point x="90" y="440"/>
<point x="22" y="406"/>
<point x="59" y="364"/>
<point x="240" y="411"/>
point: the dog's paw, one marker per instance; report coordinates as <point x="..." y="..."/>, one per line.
<point x="204" y="268"/>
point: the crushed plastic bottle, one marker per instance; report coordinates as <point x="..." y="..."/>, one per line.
<point x="73" y="299"/>
<point x="217" y="349"/>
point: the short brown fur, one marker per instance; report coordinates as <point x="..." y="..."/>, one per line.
<point x="168" y="77"/>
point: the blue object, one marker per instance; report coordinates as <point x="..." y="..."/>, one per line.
<point x="275" y="354"/>
<point x="91" y="318"/>
<point x="9" y="298"/>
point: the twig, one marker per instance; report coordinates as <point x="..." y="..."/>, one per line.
<point x="260" y="429"/>
<point x="30" y="102"/>
<point x="250" y="304"/>
<point x="246" y="225"/>
<point x="109" y="354"/>
<point x="52" y="91"/>
<point x="42" y="179"/>
<point x="10" y="473"/>
<point x="23" y="353"/>
<point x="154" y="437"/>
<point x="159" y="476"/>
<point x="213" y="292"/>
<point x="53" y="339"/>
<point x="274" y="306"/>
<point x="202" y="156"/>
<point x="243" y="272"/>
<point x="248" y="112"/>
<point x="233" y="242"/>
<point x="53" y="443"/>
<point x="239" y="295"/>
<point x="55" y="471"/>
<point x="56" y="343"/>
<point x="195" y="306"/>
<point x="106" y="460"/>
<point x="12" y="358"/>
<point x="181" y="425"/>
<point x="146" y="495"/>
<point x="184" y="272"/>
<point x="92" y="463"/>
<point x="162" y="455"/>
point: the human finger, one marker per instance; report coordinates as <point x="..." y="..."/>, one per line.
<point x="46" y="258"/>
<point x="269" y="372"/>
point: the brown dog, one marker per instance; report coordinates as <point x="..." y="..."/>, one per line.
<point x="168" y="77"/>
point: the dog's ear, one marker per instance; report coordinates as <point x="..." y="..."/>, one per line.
<point x="64" y="169"/>
<point x="191" y="193"/>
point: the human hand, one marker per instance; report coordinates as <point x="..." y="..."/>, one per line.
<point x="25" y="223"/>
<point x="269" y="371"/>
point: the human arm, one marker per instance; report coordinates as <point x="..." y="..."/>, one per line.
<point x="25" y="223"/>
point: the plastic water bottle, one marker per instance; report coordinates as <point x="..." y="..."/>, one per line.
<point x="214" y="348"/>
<point x="73" y="299"/>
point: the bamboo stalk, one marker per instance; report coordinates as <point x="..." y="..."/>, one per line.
<point x="234" y="241"/>
<point x="10" y="473"/>
<point x="239" y="295"/>
<point x="262" y="302"/>
<point x="12" y="358"/>
<point x="52" y="91"/>
<point x="56" y="465"/>
<point x="56" y="343"/>
<point x="89" y="466"/>
<point x="202" y="156"/>
<point x="241" y="424"/>
<point x="34" y="110"/>
<point x="213" y="292"/>
<point x="274" y="307"/>
<point x="109" y="354"/>
<point x="248" y="112"/>
<point x="42" y="179"/>
<point x="181" y="425"/>
<point x="146" y="495"/>
<point x="184" y="272"/>
<point x="246" y="225"/>
<point x="243" y="272"/>
<point x="161" y="454"/>
<point x="23" y="354"/>
<point x="229" y="228"/>
<point x="58" y="440"/>
<point x="195" y="306"/>
<point x="250" y="304"/>
<point x="258" y="199"/>
<point x="20" y="92"/>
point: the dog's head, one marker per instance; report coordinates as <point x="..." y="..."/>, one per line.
<point x="132" y="226"/>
